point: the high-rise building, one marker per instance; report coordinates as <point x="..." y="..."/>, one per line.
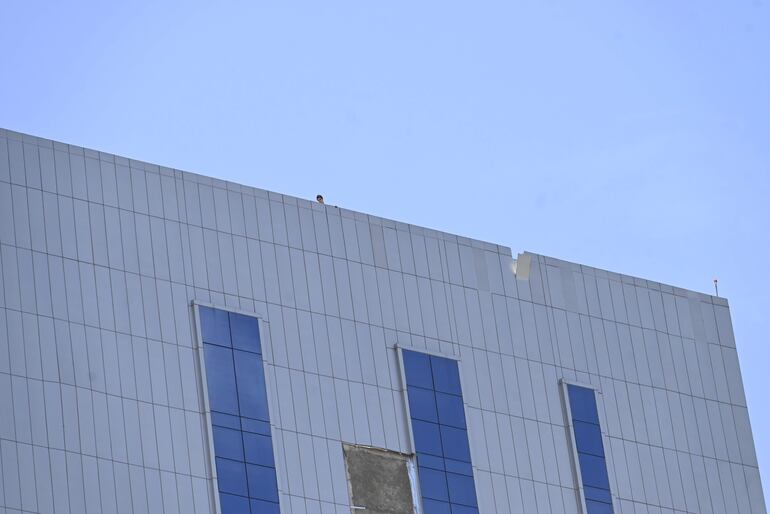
<point x="173" y="343"/>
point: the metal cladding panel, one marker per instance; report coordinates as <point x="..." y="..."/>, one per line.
<point x="103" y="257"/>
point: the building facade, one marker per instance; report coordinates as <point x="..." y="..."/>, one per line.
<point x="175" y="343"/>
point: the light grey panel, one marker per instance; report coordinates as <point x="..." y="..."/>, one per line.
<point x="163" y="434"/>
<point x="117" y="429"/>
<point x="350" y="239"/>
<point x="36" y="220"/>
<point x="316" y="411"/>
<point x="148" y="436"/>
<point x="242" y="268"/>
<point x="734" y="381"/>
<point x="300" y="401"/>
<point x="65" y="435"/>
<point x="208" y="211"/>
<point x="32" y="165"/>
<point x="307" y="229"/>
<point x="138" y="489"/>
<point x="730" y="432"/>
<point x="195" y="442"/>
<point x="364" y="242"/>
<point x="6" y="214"/>
<point x="21" y="409"/>
<point x="268" y="257"/>
<point x="123" y="490"/>
<point x="328" y="398"/>
<point x="322" y="467"/>
<point x="154" y="490"/>
<point x="185" y="493"/>
<point x="85" y="414"/>
<point x="358" y="410"/>
<point x="5" y="171"/>
<point x="213" y="263"/>
<point x="743" y="430"/>
<point x="221" y="209"/>
<point x="264" y="225"/>
<point x="386" y="300"/>
<point x="16" y="161"/>
<point x="107" y="486"/>
<point x="60" y="494"/>
<point x="278" y="219"/>
<point x="227" y="259"/>
<point x="392" y="255"/>
<point x="366" y="358"/>
<point x="20" y="218"/>
<point x="10" y="273"/>
<point x="378" y="246"/>
<point x="37" y="412"/>
<point x="27" y="477"/>
<point x="308" y="466"/>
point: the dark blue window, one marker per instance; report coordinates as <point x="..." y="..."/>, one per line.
<point x="427" y="438"/>
<point x="232" y="504"/>
<point x="590" y="450"/>
<point x="435" y="507"/>
<point x="440" y="434"/>
<point x="240" y="419"/>
<point x="450" y="410"/>
<point x="422" y="404"/>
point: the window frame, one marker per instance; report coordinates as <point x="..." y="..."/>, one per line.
<point x="564" y="384"/>
<point x="203" y="392"/>
<point x="416" y="490"/>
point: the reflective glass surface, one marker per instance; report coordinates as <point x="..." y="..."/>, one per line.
<point x="440" y="435"/>
<point x="582" y="403"/>
<point x="590" y="449"/>
<point x="589" y="438"/>
<point x="215" y="326"/>
<point x="598" y="507"/>
<point x="240" y="419"/>
<point x="422" y="404"/>
<point x="450" y="410"/>
<point x="232" y="504"/>
<point x="220" y="375"/>
<point x="446" y="375"/>
<point x="417" y="369"/>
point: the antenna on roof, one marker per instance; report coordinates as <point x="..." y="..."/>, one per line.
<point x="716" y="287"/>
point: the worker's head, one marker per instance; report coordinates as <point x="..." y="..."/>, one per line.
<point x="319" y="198"/>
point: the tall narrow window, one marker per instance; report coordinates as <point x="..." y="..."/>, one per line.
<point x="587" y="437"/>
<point x="240" y="421"/>
<point x="440" y="434"/>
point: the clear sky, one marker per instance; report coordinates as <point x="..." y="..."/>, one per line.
<point x="632" y="136"/>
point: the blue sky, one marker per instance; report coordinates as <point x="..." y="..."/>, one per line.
<point x="632" y="136"/>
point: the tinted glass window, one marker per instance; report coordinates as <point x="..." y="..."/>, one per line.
<point x="422" y="404"/>
<point x="245" y="330"/>
<point x="583" y="404"/>
<point x="450" y="410"/>
<point x="446" y="376"/>
<point x="440" y="436"/>
<point x="417" y="369"/>
<point x="220" y="375"/>
<point x="590" y="449"/>
<point x="427" y="437"/>
<point x="240" y="417"/>
<point x="215" y="326"/>
<point x="232" y="504"/>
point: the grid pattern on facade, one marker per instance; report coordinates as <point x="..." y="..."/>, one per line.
<point x="101" y="256"/>
<point x="240" y="419"/>
<point x="440" y="434"/>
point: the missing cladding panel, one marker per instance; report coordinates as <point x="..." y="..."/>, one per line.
<point x="379" y="481"/>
